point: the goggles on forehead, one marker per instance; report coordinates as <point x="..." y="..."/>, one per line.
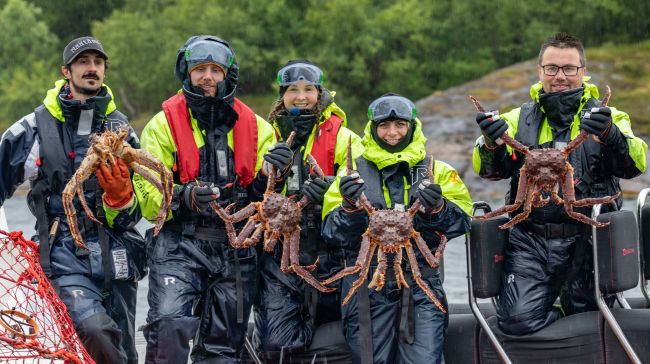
<point x="207" y="51"/>
<point x="392" y="107"/>
<point x="293" y="73"/>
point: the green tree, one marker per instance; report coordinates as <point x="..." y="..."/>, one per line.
<point x="28" y="59"/>
<point x="71" y="19"/>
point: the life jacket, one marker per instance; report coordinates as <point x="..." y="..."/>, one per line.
<point x="188" y="157"/>
<point x="373" y="180"/>
<point x="324" y="147"/>
<point x="55" y="167"/>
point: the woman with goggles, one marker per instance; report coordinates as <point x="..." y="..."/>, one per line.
<point x="381" y="327"/>
<point x="289" y="311"/>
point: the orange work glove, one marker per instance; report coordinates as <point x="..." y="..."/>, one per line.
<point x="116" y="183"/>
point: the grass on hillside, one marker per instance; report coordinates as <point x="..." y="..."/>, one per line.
<point x="627" y="70"/>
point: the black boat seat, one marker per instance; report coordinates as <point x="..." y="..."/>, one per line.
<point x="635" y="324"/>
<point x="461" y="340"/>
<point x="328" y="346"/>
<point x="645" y="239"/>
<point x="573" y="339"/>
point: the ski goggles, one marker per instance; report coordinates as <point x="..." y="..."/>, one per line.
<point x="293" y="73"/>
<point x="392" y="107"/>
<point x="207" y="51"/>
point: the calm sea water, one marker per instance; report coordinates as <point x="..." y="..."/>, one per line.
<point x="455" y="284"/>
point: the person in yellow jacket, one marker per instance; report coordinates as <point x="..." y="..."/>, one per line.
<point x="201" y="288"/>
<point x="393" y="325"/>
<point x="47" y="146"/>
<point x="548" y="253"/>
<point x="288" y="310"/>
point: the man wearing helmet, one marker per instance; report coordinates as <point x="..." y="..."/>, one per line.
<point x="393" y="325"/>
<point x="213" y="143"/>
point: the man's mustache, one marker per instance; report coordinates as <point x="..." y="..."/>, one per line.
<point x="92" y="75"/>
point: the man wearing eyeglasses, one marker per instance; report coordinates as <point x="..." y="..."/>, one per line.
<point x="548" y="254"/>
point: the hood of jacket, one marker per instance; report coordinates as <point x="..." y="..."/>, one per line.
<point x="412" y="154"/>
<point x="52" y="105"/>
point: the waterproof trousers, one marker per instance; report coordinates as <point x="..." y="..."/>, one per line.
<point x="394" y="336"/>
<point x="106" y="326"/>
<point x="200" y="290"/>
<point x="287" y="313"/>
<point x="538" y="268"/>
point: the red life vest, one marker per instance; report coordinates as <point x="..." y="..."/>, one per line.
<point x="324" y="147"/>
<point x="244" y="140"/>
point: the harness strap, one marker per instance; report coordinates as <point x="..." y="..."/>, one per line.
<point x="103" y="241"/>
<point x="311" y="302"/>
<point x="407" y="322"/>
<point x="43" y="225"/>
<point x="239" y="290"/>
<point x="365" y="325"/>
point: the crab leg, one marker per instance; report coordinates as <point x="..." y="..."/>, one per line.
<point x="519" y="199"/>
<point x="364" y="251"/>
<point x="399" y="273"/>
<point x="363" y="274"/>
<point x="244" y="213"/>
<point x="524" y="214"/>
<point x="270" y="240"/>
<point x="379" y="277"/>
<point x="84" y="204"/>
<point x="417" y="276"/>
<point x="513" y="143"/>
<point x="431" y="259"/>
<point x="570" y="201"/>
<point x="303" y="272"/>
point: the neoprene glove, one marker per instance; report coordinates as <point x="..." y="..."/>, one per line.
<point x="197" y="197"/>
<point x="116" y="183"/>
<point x="598" y="121"/>
<point x="491" y="126"/>
<point x="281" y="156"/>
<point x="351" y="187"/>
<point x="430" y="195"/>
<point x="314" y="189"/>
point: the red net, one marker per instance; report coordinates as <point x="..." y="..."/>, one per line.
<point x="34" y="322"/>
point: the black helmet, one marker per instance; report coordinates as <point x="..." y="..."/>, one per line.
<point x="201" y="49"/>
<point x="391" y="106"/>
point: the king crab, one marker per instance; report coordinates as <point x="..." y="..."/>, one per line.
<point x="388" y="232"/>
<point x="545" y="170"/>
<point x="104" y="147"/>
<point x="278" y="218"/>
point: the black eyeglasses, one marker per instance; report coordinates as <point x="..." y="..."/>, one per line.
<point x="552" y="70"/>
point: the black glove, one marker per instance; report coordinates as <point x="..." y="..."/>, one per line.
<point x="351" y="187"/>
<point x="281" y="156"/>
<point x="198" y="197"/>
<point x="598" y="121"/>
<point x="491" y="126"/>
<point x="430" y="195"/>
<point x="314" y="188"/>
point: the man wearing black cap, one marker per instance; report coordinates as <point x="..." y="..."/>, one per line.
<point x="97" y="285"/>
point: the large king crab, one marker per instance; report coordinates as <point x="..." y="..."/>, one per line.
<point x="546" y="170"/>
<point x="278" y="218"/>
<point x="104" y="147"/>
<point x="388" y="232"/>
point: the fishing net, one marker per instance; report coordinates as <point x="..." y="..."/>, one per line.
<point x="34" y="322"/>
